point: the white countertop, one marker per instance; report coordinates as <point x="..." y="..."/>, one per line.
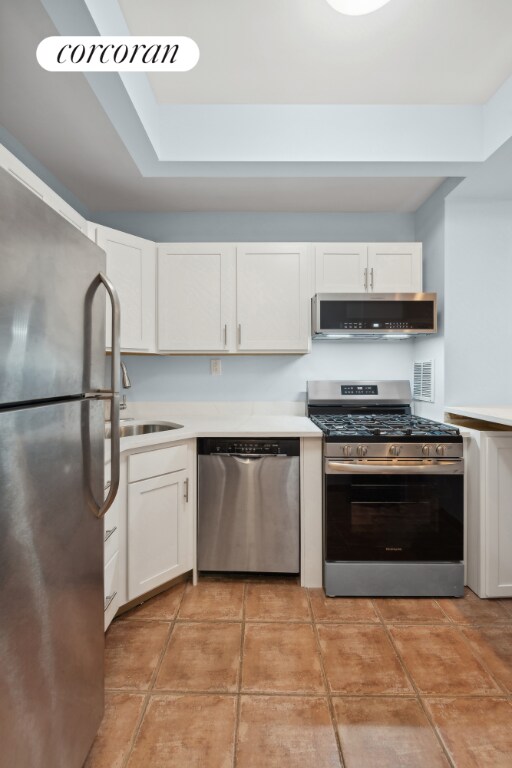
<point x="235" y="426"/>
<point x="499" y="414"/>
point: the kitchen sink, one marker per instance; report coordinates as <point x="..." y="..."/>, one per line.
<point x="143" y="428"/>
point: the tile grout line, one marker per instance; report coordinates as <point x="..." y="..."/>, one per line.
<point x="151" y="684"/>
<point x="481" y="661"/>
<point x="239" y="681"/>
<point x="416" y="689"/>
<point x="326" y="684"/>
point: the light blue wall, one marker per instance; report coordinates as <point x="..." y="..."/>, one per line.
<point x="478" y="328"/>
<point x="429" y="223"/>
<point x="275" y="227"/>
<point x="264" y="377"/>
<point x="26" y="157"/>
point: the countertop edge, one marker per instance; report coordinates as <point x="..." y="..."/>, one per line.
<point x="491" y="413"/>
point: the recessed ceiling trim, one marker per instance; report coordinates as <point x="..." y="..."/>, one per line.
<point x="158" y="135"/>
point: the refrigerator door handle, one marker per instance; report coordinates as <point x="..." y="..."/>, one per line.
<point x="113" y="395"/>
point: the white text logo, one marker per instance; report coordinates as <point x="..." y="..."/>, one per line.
<point x="117" y="54"/>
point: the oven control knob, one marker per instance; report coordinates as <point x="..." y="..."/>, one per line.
<point x="395" y="450"/>
<point x="441" y="450"/>
<point x="347" y="450"/>
<point x="426" y="450"/>
<point x="362" y="450"/>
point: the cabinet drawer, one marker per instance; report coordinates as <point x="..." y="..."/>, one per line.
<point x="153" y="463"/>
<point x="111" y="545"/>
<point x="111" y="588"/>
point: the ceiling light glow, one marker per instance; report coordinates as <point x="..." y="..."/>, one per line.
<point x="357" y="7"/>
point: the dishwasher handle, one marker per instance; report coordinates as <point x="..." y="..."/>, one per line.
<point x="252" y="455"/>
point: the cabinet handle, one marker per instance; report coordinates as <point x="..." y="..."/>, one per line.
<point x="225" y="334"/>
<point x="371" y="279"/>
<point x="109" y="533"/>
<point x="239" y="334"/>
<point x="185" y="494"/>
<point x="108" y="600"/>
<point x="366" y="278"/>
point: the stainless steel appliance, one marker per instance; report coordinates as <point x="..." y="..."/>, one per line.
<point x="393" y="493"/>
<point x="248" y="505"/>
<point x="373" y="315"/>
<point x="52" y="370"/>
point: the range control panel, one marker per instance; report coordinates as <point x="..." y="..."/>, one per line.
<point x="268" y="446"/>
<point x="359" y="389"/>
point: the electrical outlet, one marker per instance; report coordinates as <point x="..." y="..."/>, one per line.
<point x="215" y="367"/>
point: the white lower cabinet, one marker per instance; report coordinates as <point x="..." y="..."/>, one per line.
<point x="489" y="512"/>
<point x="159" y="522"/>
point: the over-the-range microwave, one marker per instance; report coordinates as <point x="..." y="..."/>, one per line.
<point x="374" y="315"/>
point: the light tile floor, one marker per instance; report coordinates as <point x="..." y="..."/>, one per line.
<point x="261" y="673"/>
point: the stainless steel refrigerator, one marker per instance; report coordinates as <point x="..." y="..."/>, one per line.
<point x="52" y="392"/>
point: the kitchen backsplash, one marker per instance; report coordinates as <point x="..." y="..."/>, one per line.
<point x="263" y="377"/>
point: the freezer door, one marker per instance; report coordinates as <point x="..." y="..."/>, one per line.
<point x="52" y="308"/>
<point x="51" y="584"/>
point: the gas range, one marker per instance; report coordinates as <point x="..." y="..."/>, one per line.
<point x="375" y="419"/>
<point x="393" y="493"/>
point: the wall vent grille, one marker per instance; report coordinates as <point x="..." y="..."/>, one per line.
<point x="423" y="381"/>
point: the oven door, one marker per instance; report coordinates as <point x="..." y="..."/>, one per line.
<point x="394" y="510"/>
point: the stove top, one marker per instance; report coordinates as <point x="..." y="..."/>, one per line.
<point x="373" y="425"/>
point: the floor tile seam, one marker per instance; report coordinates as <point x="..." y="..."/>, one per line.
<point x="430" y="696"/>
<point x="287" y="620"/>
<point x="145" y="620"/>
<point x="163" y="651"/>
<point x="375" y="608"/>
<point x="482" y="662"/>
<point x="409" y="676"/>
<point x="330" y="706"/>
<point x="239" y="676"/>
<point x="167" y="643"/>
<point x="136" y="731"/>
<point x="155" y="692"/>
<point x="206" y="620"/>
<point x="341" y="622"/>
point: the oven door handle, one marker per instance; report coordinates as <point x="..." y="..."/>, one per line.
<point x="455" y="467"/>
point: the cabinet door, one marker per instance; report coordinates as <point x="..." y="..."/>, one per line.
<point x="341" y="267"/>
<point x="159" y="541"/>
<point x="394" y="267"/>
<point x="273" y="297"/>
<point x="196" y="297"/>
<point x="131" y="267"/>
<point x="499" y="517"/>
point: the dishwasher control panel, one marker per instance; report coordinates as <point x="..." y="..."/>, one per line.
<point x="267" y="446"/>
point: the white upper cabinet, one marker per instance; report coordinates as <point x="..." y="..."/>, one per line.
<point x="273" y="291"/>
<point x="196" y="303"/>
<point x="20" y="172"/>
<point x="368" y="267"/>
<point x="341" y="267"/>
<point x="394" y="267"/>
<point x="131" y="267"/>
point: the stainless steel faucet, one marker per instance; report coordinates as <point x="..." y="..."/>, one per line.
<point x="125" y="380"/>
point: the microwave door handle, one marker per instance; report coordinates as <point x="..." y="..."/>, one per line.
<point x="375" y="468"/>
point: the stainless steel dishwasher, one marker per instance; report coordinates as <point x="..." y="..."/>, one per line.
<point x="248" y="505"/>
